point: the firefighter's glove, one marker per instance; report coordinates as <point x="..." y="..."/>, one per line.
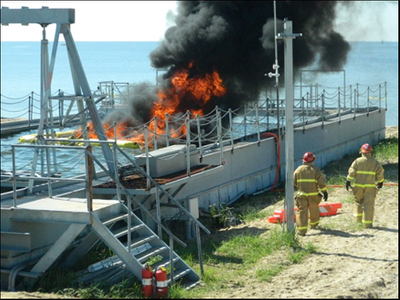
<point x="325" y="195"/>
<point x="380" y="184"/>
<point x="348" y="185"/>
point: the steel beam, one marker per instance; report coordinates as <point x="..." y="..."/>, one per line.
<point x="44" y="15"/>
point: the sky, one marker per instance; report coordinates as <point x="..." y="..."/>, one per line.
<point x="148" y="21"/>
<point x="99" y="20"/>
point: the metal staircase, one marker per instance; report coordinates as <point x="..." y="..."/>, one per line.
<point x="134" y="244"/>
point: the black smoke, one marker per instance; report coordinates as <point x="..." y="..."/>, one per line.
<point x="236" y="38"/>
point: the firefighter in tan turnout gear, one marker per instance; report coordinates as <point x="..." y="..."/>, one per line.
<point x="365" y="171"/>
<point x="310" y="184"/>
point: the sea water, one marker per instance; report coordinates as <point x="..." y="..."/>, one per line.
<point x="368" y="64"/>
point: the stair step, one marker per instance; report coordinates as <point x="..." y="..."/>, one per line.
<point x="141" y="240"/>
<point x="111" y="221"/>
<point x="122" y="231"/>
<point x="142" y="257"/>
<point x="119" y="232"/>
<point x="191" y="284"/>
<point x="115" y="260"/>
<point x="164" y="262"/>
<point x="178" y="273"/>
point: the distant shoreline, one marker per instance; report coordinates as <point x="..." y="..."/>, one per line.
<point x="5" y="120"/>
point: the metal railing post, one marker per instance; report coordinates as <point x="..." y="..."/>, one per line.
<point x="199" y="135"/>
<point x="245" y="120"/>
<point x="171" y="258"/>
<point x="199" y="250"/>
<point x="158" y="212"/>
<point x="155" y="132"/>
<point x="351" y="96"/>
<point x="303" y="112"/>
<point x="358" y="95"/>
<point x="115" y="162"/>
<point x="323" y="109"/>
<point x="29" y="111"/>
<point x="339" y="114"/>
<point x="231" y="128"/>
<point x="386" y="96"/>
<point x="167" y="130"/>
<point x="14" y="177"/>
<point x="355" y="103"/>
<point x="89" y="178"/>
<point x="258" y="125"/>
<point x="187" y="122"/>
<point x="146" y="143"/>
<point x="129" y="203"/>
<point x="219" y="130"/>
<point x="48" y="171"/>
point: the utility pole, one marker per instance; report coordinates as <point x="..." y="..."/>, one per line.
<point x="288" y="37"/>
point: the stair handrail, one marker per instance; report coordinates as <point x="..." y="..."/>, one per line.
<point x="172" y="237"/>
<point x="163" y="190"/>
<point x="125" y="190"/>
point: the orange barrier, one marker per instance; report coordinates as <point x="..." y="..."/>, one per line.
<point x="325" y="209"/>
<point x="328" y="209"/>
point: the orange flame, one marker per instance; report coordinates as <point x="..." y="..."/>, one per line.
<point x="122" y="131"/>
<point x="196" y="91"/>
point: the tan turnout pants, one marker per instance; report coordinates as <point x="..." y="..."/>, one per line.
<point x="364" y="204"/>
<point x="304" y="205"/>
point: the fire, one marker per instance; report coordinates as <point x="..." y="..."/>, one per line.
<point x="122" y="131"/>
<point x="196" y="90"/>
<point x="186" y="93"/>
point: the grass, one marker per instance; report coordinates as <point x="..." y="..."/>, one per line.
<point x="241" y="253"/>
<point x="387" y="148"/>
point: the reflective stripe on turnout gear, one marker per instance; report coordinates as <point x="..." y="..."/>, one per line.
<point x="307" y="180"/>
<point x="364" y="185"/>
<point x="365" y="170"/>
<point x="307" y="194"/>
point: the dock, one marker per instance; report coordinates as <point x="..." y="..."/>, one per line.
<point x="11" y="126"/>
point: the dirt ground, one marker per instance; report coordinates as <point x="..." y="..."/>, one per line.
<point x="348" y="264"/>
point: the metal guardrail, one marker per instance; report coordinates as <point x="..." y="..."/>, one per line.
<point x="12" y="127"/>
<point x="89" y="167"/>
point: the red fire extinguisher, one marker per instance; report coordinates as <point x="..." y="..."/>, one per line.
<point x="147" y="281"/>
<point x="161" y="282"/>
